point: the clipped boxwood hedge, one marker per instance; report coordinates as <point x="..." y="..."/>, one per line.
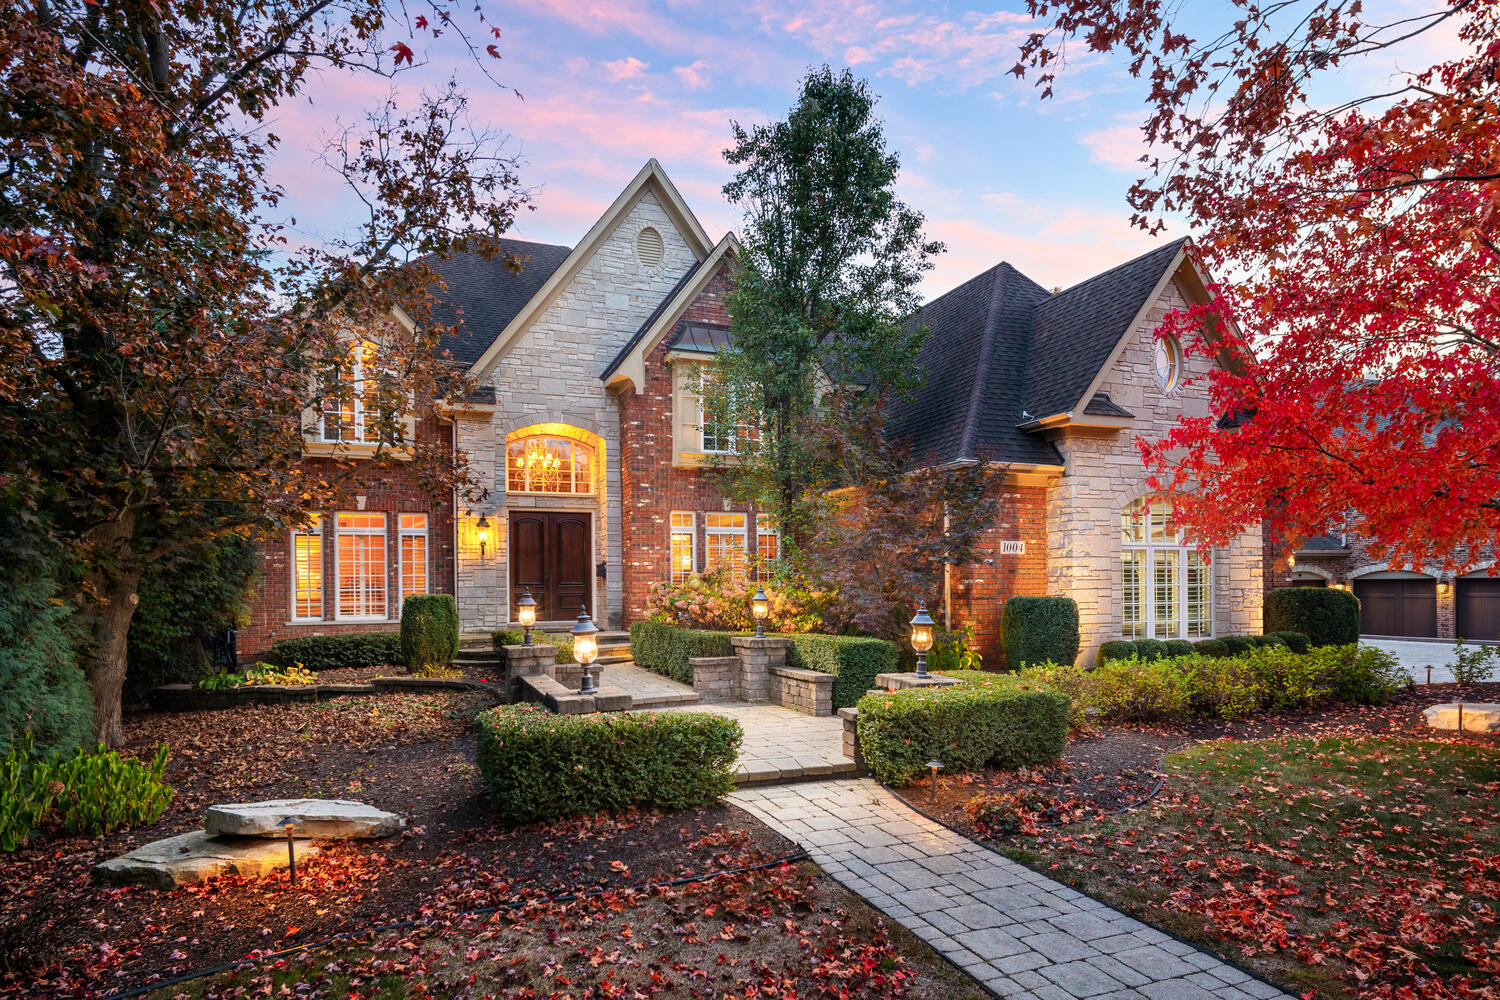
<point x="1039" y="630"/>
<point x="540" y="766"/>
<point x="429" y="632"/>
<point x="1328" y="617"/>
<point x="853" y="660"/>
<point x="1114" y="649"/>
<point x="349" y="649"/>
<point x="1210" y="647"/>
<point x="964" y="727"/>
<point x="1295" y="641"/>
<point x="666" y="648"/>
<point x="1239" y="644"/>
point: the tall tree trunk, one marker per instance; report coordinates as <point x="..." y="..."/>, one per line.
<point x="109" y="608"/>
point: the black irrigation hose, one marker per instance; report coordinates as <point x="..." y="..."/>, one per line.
<point x="382" y="928"/>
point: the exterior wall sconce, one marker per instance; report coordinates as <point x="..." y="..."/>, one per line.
<point x="760" y="607"/>
<point x="921" y="637"/>
<point x="482" y="526"/>
<point x="1291" y="560"/>
<point x="526" y="615"/>
<point x="585" y="648"/>
<point x="1443" y="587"/>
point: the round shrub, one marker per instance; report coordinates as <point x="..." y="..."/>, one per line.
<point x="1210" y="647"/>
<point x="429" y="633"/>
<point x="1295" y="641"/>
<point x="1115" y="649"/>
<point x="1150" y="649"/>
<point x="1239" y="644"/>
<point x="1328" y="617"/>
<point x="1179" y="647"/>
<point x="1039" y="630"/>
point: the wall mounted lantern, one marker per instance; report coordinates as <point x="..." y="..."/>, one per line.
<point x="760" y="607"/>
<point x="921" y="637"/>
<point x="585" y="648"/>
<point x="482" y="526"/>
<point x="526" y="615"/>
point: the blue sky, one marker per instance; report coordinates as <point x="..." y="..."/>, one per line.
<point x="999" y="173"/>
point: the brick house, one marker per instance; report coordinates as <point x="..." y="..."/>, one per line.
<point x="587" y="431"/>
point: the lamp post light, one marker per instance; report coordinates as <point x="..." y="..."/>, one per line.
<point x="482" y="526"/>
<point x="526" y="615"/>
<point x="921" y="637"/>
<point x="585" y="648"/>
<point x="760" y="607"/>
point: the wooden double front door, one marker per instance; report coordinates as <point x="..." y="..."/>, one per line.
<point x="551" y="553"/>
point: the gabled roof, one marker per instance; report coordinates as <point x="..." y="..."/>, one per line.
<point x="1002" y="353"/>
<point x="650" y="177"/>
<point x="484" y="295"/>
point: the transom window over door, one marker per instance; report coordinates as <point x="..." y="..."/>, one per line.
<point x="1166" y="584"/>
<point x="361" y="565"/>
<point x="549" y="465"/>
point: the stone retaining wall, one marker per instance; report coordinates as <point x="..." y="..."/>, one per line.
<point x="716" y="678"/>
<point x="807" y="691"/>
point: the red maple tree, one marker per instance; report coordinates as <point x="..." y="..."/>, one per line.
<point x="161" y="336"/>
<point x="1361" y="239"/>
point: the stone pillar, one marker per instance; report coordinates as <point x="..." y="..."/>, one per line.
<point x="716" y="678"/>
<point x="757" y="657"/>
<point x="525" y="661"/>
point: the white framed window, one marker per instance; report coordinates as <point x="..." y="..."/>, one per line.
<point x="412" y="553"/>
<point x="549" y="465"/>
<point x="684" y="546"/>
<point x="767" y="547"/>
<point x="352" y="414"/>
<point x="361" y="557"/>
<point x="307" y="572"/>
<point x="724" y="544"/>
<point x="1166" y="585"/>
<point x="723" y="431"/>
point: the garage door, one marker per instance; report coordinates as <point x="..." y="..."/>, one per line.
<point x="1478" y="608"/>
<point x="1397" y="607"/>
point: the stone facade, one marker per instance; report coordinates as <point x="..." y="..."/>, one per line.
<point x="1104" y="473"/>
<point x="550" y="377"/>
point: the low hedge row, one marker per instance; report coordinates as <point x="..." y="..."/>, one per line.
<point x="964" y="728"/>
<point x="540" y="766"/>
<point x="1147" y="650"/>
<point x="1327" y="616"/>
<point x="515" y="637"/>
<point x="853" y="660"/>
<point x="349" y="649"/>
<point x="1267" y="677"/>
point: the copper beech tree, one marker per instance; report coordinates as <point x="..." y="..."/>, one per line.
<point x="1359" y="227"/>
<point x="161" y="335"/>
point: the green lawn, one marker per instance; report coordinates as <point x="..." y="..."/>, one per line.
<point x="1354" y="867"/>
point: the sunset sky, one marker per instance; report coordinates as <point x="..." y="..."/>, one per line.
<point x="605" y="85"/>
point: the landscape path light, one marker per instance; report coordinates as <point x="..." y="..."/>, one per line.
<point x="934" y="766"/>
<point x="760" y="607"/>
<point x="921" y="637"/>
<point x="526" y="615"/>
<point x="585" y="648"/>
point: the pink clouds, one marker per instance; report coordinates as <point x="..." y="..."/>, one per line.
<point x="1119" y="148"/>
<point x="693" y="76"/>
<point x="630" y="68"/>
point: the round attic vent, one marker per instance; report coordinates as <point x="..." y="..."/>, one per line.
<point x="648" y="248"/>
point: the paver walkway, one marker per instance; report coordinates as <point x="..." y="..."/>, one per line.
<point x="1020" y="933"/>
<point x="648" y="689"/>
<point x="783" y="745"/>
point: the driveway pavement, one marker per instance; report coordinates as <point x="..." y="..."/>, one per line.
<point x="1417" y="655"/>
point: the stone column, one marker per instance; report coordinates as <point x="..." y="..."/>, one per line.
<point x="757" y="657"/>
<point x="523" y="661"/>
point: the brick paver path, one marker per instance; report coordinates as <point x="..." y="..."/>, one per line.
<point x="783" y="745"/>
<point x="1020" y="933"/>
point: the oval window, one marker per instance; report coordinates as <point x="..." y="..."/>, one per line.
<point x="1166" y="364"/>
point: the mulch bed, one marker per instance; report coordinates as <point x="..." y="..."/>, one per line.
<point x="1119" y="765"/>
<point x="61" y="935"/>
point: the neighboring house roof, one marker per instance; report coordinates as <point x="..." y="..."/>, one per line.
<point x="483" y="296"/>
<point x="1323" y="545"/>
<point x="1003" y="353"/>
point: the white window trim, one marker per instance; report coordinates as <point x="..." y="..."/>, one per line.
<point x="742" y="532"/>
<point x="402" y="534"/>
<point x="741" y="430"/>
<point x="1148" y="584"/>
<point x="318" y="533"/>
<point x="673" y="531"/>
<point x="339" y="535"/>
<point x="760" y="568"/>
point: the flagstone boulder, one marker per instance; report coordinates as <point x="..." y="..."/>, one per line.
<point x="1478" y="716"/>
<point x="193" y="857"/>
<point x="327" y="819"/>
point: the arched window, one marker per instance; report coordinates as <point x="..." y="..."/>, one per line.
<point x="549" y="465"/>
<point x="1166" y="584"/>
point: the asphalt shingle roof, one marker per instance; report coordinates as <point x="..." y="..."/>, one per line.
<point x="1002" y="351"/>
<point x="483" y="296"/>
